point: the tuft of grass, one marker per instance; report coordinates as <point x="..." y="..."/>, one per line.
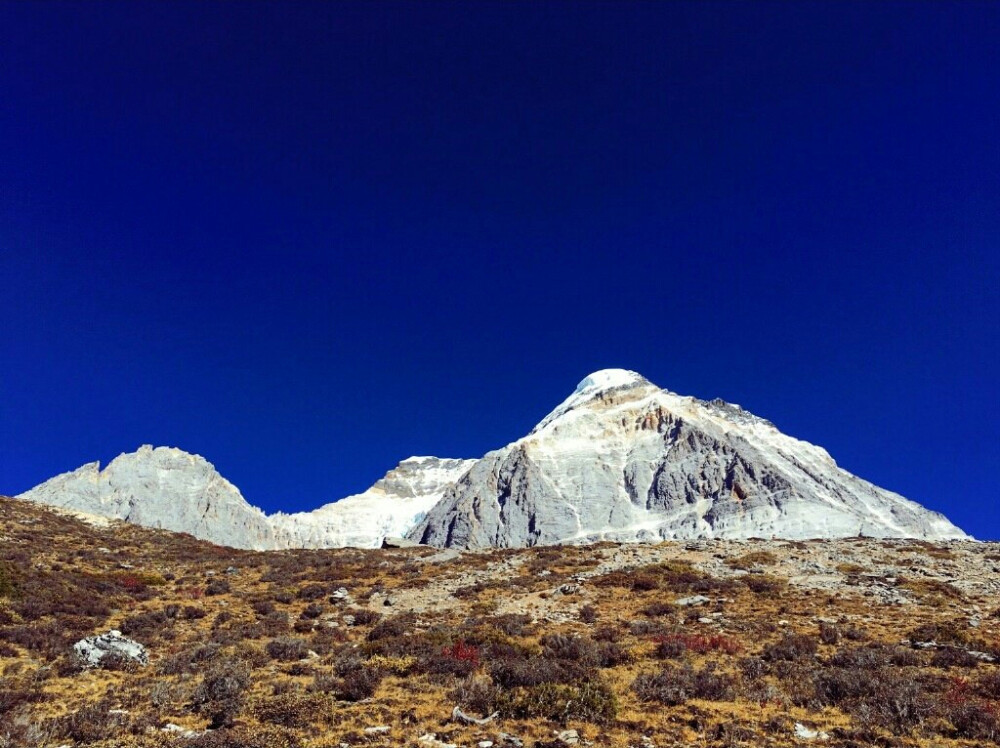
<point x="750" y="560"/>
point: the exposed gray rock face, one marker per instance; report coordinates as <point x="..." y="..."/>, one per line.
<point x="619" y="459"/>
<point x="92" y="650"/>
<point x="165" y="488"/>
<point x="171" y="489"/>
<point x="623" y="460"/>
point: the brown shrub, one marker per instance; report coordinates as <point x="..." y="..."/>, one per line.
<point x="989" y="685"/>
<point x="949" y="657"/>
<point x="478" y="694"/>
<point x="94" y="722"/>
<point x="47" y="639"/>
<point x="944" y="632"/>
<point x="147" y="626"/>
<point x="791" y="647"/>
<point x="190" y="660"/>
<point x="359" y="684"/>
<point x="392" y="627"/>
<point x="765" y="586"/>
<point x="828" y="633"/>
<point x="590" y="701"/>
<point x="659" y="608"/>
<point x="245" y="737"/>
<point x="262" y="607"/>
<point x="364" y="617"/>
<point x="752" y="559"/>
<point x="287" y="649"/>
<point x="192" y="613"/>
<point x="511" y="624"/>
<point x="7" y="588"/>
<point x="674" y="686"/>
<point x="874" y="656"/>
<point x="312" y="611"/>
<point x="290" y="709"/>
<point x="312" y="592"/>
<point x="221" y="692"/>
<point x="15" y="693"/>
<point x="535" y="671"/>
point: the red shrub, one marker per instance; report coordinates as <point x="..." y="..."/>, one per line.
<point x="463" y="652"/>
<point x="132" y="584"/>
<point x="700" y="643"/>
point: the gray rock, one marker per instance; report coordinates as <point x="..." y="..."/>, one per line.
<point x="693" y="601"/>
<point x="801" y="731"/>
<point x="92" y="650"/>
<point x="430" y="739"/>
<point x="457" y="715"/>
<point x="182" y="732"/>
<point x="399" y="543"/>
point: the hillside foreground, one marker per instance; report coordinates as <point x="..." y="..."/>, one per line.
<point x="705" y="643"/>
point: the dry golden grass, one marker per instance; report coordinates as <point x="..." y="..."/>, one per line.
<point x="428" y="629"/>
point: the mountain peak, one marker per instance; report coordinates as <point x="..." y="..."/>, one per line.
<point x="593" y="385"/>
<point x="607" y="379"/>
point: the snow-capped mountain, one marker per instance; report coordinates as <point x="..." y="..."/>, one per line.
<point x="171" y="489"/>
<point x="619" y="459"/>
<point x="390" y="508"/>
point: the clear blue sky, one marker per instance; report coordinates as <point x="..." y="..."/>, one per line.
<point x="309" y="240"/>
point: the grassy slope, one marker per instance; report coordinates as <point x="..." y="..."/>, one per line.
<point x="253" y="643"/>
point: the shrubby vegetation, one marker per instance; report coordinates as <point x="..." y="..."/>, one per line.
<point x="262" y="652"/>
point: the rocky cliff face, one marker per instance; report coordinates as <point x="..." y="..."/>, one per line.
<point x="619" y="459"/>
<point x="171" y="489"/>
<point x="623" y="460"/>
<point x="162" y="487"/>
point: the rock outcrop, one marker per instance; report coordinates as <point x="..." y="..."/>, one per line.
<point x="164" y="488"/>
<point x="94" y="650"/>
<point x="168" y="488"/>
<point x="620" y="459"/>
<point x="623" y="460"/>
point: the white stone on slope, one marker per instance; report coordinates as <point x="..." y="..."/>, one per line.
<point x="92" y="650"/>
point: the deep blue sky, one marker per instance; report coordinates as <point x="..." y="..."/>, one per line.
<point x="307" y="241"/>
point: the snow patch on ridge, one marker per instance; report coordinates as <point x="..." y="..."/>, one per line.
<point x="607" y="379"/>
<point x="593" y="385"/>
